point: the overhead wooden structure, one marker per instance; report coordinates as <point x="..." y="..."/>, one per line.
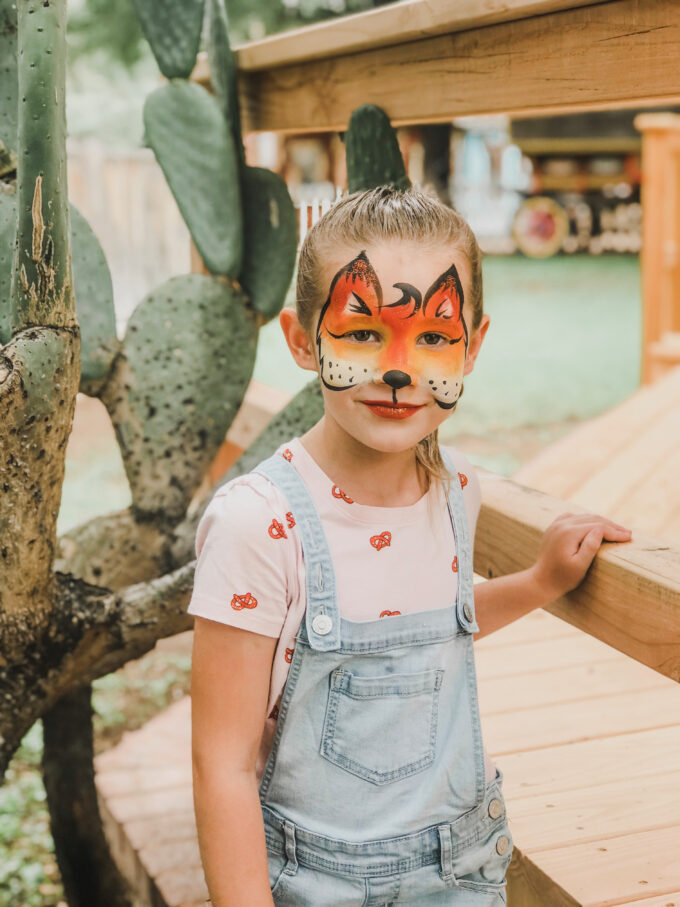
<point x="426" y="61"/>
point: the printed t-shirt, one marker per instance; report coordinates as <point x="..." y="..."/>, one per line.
<point x="387" y="560"/>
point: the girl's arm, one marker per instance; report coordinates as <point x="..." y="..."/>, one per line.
<point x="231" y="669"/>
<point x="569" y="545"/>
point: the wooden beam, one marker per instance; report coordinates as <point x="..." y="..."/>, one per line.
<point x="394" y="24"/>
<point x="630" y="598"/>
<point x="615" y="54"/>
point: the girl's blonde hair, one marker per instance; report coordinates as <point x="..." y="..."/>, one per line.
<point x="364" y="218"/>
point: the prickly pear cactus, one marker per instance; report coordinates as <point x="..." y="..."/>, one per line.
<point x="192" y="141"/>
<point x="223" y="74"/>
<point x="8" y="86"/>
<point x="270" y="239"/>
<point x="173" y="30"/>
<point x="186" y="360"/>
<point x="372" y="150"/>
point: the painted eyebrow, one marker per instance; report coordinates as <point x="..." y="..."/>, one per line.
<point x="361" y="308"/>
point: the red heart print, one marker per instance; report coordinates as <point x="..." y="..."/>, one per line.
<point x="389" y="613"/>
<point x="463" y="479"/>
<point x="290" y="520"/>
<point x="339" y="493"/>
<point x="239" y="602"/>
<point x="276" y="530"/>
<point x="289" y="655"/>
<point x="454" y="564"/>
<point x="287" y="454"/>
<point x="384" y="540"/>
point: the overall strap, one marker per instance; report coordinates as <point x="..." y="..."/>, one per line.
<point x="465" y="605"/>
<point x="322" y="617"/>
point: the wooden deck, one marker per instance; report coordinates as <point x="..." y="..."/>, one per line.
<point x="587" y="739"/>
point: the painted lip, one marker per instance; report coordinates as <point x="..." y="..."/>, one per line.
<point x="391" y="410"/>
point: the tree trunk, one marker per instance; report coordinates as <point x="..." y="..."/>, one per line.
<point x="87" y="869"/>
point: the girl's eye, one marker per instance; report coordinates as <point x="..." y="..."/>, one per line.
<point x="360" y="336"/>
<point x="433" y="339"/>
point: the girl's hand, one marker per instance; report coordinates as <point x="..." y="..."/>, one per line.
<point x="569" y="545"/>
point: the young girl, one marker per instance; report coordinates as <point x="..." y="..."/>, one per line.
<point x="337" y="748"/>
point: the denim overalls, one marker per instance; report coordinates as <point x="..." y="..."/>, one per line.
<point x="374" y="792"/>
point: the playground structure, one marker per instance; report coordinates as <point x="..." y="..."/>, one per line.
<point x="588" y="753"/>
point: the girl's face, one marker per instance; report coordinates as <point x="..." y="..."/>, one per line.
<point x="393" y="340"/>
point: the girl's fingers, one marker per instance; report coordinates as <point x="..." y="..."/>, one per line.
<point x="589" y="546"/>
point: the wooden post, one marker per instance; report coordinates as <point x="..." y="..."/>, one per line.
<point x="660" y="257"/>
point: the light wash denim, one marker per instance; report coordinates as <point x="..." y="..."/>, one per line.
<point x="375" y="792"/>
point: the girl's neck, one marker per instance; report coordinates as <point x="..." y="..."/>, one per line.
<point x="368" y="476"/>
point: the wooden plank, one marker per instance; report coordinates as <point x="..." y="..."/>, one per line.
<point x="596" y="813"/>
<point x="588" y="763"/>
<point x="663" y="900"/>
<point x="395" y="24"/>
<point x="575" y="59"/>
<point x="604" y="874"/>
<point x="571" y="722"/>
<point x="630" y="598"/>
<point x="536" y="627"/>
<point x="565" y="464"/>
<point x="576" y="683"/>
<point x="543" y="657"/>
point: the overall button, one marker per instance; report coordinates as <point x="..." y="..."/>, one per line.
<point x="502" y="845"/>
<point x="467" y="611"/>
<point x="495" y="808"/>
<point x="322" y="624"/>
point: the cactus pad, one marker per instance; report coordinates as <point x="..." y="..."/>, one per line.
<point x="8" y="232"/>
<point x="94" y="304"/>
<point x="303" y="411"/>
<point x="186" y="361"/>
<point x="270" y="240"/>
<point x="222" y="65"/>
<point x="8" y="75"/>
<point x="372" y="151"/>
<point x="195" y="148"/>
<point x="173" y="30"/>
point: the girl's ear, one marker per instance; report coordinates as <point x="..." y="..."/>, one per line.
<point x="475" y="344"/>
<point x="297" y="339"/>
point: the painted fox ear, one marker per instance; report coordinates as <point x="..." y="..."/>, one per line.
<point x="355" y="289"/>
<point x="444" y="299"/>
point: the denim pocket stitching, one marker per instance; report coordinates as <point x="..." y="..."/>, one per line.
<point x="358" y="689"/>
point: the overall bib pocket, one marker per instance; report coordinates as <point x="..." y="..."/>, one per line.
<point x="382" y="729"/>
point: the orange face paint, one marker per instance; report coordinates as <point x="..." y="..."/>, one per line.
<point x="409" y="340"/>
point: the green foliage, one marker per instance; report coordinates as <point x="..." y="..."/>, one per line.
<point x="110" y="26"/>
<point x="173" y="30"/>
<point x="188" y="355"/>
<point x="195" y="147"/>
<point x="270" y="239"/>
<point x="8" y="230"/>
<point x="373" y="155"/>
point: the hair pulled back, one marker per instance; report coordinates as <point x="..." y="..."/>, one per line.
<point x="377" y="215"/>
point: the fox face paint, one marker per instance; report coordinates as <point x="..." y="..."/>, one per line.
<point x="406" y="339"/>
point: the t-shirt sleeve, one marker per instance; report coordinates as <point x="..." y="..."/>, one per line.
<point x="246" y="558"/>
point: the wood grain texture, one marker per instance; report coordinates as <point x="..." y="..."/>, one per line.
<point x="630" y="598"/>
<point x="395" y="24"/>
<point x="620" y="53"/>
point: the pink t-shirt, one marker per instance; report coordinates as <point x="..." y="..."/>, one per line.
<point x="387" y="560"/>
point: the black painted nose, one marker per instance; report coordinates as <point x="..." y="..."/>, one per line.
<point x="396" y="379"/>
